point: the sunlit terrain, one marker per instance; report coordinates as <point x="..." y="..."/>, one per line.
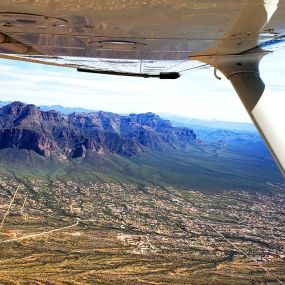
<point x="99" y="198"/>
<point x="73" y="233"/>
<point x="152" y="197"/>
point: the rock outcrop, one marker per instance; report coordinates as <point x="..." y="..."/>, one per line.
<point x="74" y="136"/>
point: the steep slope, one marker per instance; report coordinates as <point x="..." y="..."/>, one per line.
<point x="72" y="136"/>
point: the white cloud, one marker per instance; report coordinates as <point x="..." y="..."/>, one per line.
<point x="197" y="94"/>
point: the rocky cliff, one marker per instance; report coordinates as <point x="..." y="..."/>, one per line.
<point x="72" y="136"/>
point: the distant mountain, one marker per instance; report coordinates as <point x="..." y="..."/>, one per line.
<point x="65" y="110"/>
<point x="59" y="108"/>
<point x="51" y="133"/>
<point x="181" y="121"/>
<point x="176" y="120"/>
<point x="4" y="103"/>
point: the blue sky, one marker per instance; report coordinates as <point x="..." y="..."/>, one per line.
<point x="196" y="94"/>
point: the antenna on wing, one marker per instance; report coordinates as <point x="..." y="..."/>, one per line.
<point x="216" y="69"/>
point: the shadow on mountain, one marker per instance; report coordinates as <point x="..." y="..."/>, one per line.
<point x="138" y="148"/>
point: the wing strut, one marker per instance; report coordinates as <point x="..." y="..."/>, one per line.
<point x="263" y="108"/>
<point x="238" y="56"/>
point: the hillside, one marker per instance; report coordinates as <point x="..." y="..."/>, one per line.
<point x="101" y="198"/>
<point x="137" y="148"/>
<point x="71" y="136"/>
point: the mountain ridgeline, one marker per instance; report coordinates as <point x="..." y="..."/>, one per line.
<point x="79" y="135"/>
<point x="136" y="148"/>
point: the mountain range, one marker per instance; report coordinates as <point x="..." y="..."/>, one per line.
<point x="77" y="135"/>
<point x="136" y="148"/>
<point x="182" y="121"/>
<point x="176" y="120"/>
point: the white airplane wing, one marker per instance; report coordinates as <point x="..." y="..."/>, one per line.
<point x="156" y="38"/>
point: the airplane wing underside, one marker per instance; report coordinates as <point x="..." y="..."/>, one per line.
<point x="140" y="37"/>
<point x="155" y="38"/>
<point x="122" y="33"/>
<point x="119" y="66"/>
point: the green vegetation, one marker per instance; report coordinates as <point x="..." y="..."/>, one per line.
<point x="195" y="168"/>
<point x="171" y="217"/>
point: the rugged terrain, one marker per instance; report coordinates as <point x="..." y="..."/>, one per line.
<point x="101" y="198"/>
<point x="50" y="133"/>
<point x="104" y="233"/>
<point x="136" y="148"/>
